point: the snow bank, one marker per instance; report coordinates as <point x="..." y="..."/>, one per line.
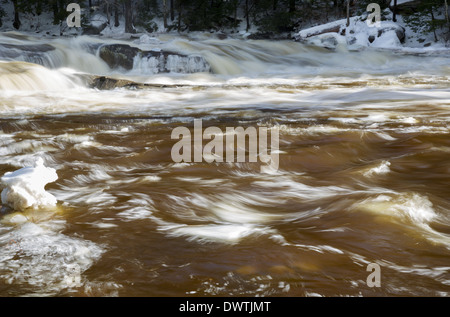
<point x="24" y="188"/>
<point x="358" y="35"/>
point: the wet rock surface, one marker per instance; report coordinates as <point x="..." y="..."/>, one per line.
<point x="128" y="57"/>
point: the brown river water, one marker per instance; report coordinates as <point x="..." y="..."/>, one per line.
<point x="363" y="174"/>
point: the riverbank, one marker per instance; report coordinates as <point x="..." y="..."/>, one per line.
<point x="358" y="35"/>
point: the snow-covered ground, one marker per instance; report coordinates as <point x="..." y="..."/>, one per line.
<point x="356" y="37"/>
<point x="360" y="34"/>
<point x="42" y="25"/>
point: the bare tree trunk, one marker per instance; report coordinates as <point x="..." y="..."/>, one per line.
<point x="108" y="15"/>
<point x="55" y="12"/>
<point x="446" y="15"/>
<point x="129" y="28"/>
<point x="165" y="13"/>
<point x="236" y="5"/>
<point x="291" y="6"/>
<point x="348" y="13"/>
<point x="16" y="22"/>
<point x="116" y="14"/>
<point x="247" y="15"/>
<point x="39" y="7"/>
<point x="394" y="16"/>
<point x="432" y="21"/>
<point x="172" y="11"/>
<point x="180" y="14"/>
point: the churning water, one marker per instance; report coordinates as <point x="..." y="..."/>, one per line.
<point x="363" y="172"/>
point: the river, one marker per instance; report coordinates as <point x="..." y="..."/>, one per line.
<point x="362" y="175"/>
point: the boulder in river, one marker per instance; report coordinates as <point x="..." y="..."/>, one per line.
<point x="357" y="35"/>
<point x="157" y="61"/>
<point x="399" y="31"/>
<point x="119" y="55"/>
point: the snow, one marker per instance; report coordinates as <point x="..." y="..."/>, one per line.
<point x="24" y="188"/>
<point x="387" y="40"/>
<point x="356" y="35"/>
<point x="382" y="36"/>
<point x="42" y="25"/>
<point x="97" y="20"/>
<point x="320" y="28"/>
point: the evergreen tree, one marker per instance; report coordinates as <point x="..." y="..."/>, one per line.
<point x="425" y="20"/>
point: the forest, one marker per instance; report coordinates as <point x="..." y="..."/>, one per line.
<point x="270" y="16"/>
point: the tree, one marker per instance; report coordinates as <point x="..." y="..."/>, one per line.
<point x="348" y="13"/>
<point x="247" y="14"/>
<point x="165" y="13"/>
<point x="446" y="16"/>
<point x="116" y="13"/>
<point x="2" y="14"/>
<point x="424" y="19"/>
<point x="129" y="27"/>
<point x="394" y="12"/>
<point x="291" y="6"/>
<point x="16" y="22"/>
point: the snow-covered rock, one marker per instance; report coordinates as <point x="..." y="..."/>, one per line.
<point x="24" y="188"/>
<point x="358" y="35"/>
<point x="151" y="62"/>
<point x="386" y="35"/>
<point x="331" y="27"/>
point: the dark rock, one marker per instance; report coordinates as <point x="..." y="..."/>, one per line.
<point x="269" y="36"/>
<point x="351" y="40"/>
<point x="124" y="56"/>
<point x="118" y="55"/>
<point x="329" y="41"/>
<point x="94" y="30"/>
<point x="371" y="38"/>
<point x="399" y="30"/>
<point x="406" y="8"/>
<point x="107" y="83"/>
<point x="260" y="36"/>
<point x="222" y="36"/>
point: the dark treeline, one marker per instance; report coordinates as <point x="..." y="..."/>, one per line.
<point x="275" y="16"/>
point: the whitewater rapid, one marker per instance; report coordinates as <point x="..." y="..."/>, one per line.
<point x="362" y="176"/>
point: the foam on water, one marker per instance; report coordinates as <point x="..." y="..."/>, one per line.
<point x="381" y="169"/>
<point x="410" y="209"/>
<point x="47" y="261"/>
<point x="413" y="207"/>
<point x="223" y="233"/>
